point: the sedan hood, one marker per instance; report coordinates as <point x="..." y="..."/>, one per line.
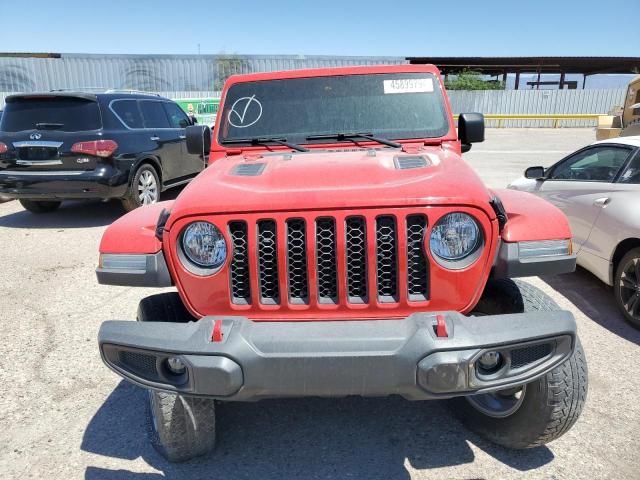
<point x="332" y="179"/>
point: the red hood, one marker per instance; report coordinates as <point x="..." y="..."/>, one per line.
<point x="332" y="179"/>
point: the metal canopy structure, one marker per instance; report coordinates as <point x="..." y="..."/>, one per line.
<point x="496" y="66"/>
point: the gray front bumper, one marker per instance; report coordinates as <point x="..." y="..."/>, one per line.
<point x="254" y="360"/>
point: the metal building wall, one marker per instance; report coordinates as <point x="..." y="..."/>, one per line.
<point x="153" y="72"/>
<point x="537" y="102"/>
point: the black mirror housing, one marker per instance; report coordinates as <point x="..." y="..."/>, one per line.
<point x="535" y="173"/>
<point x="198" y="139"/>
<point x="470" y="129"/>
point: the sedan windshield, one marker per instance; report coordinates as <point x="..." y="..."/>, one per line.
<point x="313" y="110"/>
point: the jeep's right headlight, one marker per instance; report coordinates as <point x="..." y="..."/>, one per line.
<point x="456" y="240"/>
<point x="202" y="249"/>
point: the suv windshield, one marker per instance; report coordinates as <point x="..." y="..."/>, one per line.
<point x="391" y="106"/>
<point x="67" y="114"/>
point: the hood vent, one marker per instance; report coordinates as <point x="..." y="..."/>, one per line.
<point x="248" y="169"/>
<point x="408" y="162"/>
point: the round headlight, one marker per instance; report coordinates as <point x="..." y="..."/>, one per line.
<point x="455" y="237"/>
<point x="204" y="247"/>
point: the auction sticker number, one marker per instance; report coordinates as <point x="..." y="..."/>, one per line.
<point x="409" y="85"/>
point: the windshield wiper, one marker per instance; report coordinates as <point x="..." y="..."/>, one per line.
<point x="350" y="136"/>
<point x="49" y="126"/>
<point x="265" y="141"/>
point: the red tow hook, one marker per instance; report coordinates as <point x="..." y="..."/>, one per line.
<point x="216" y="335"/>
<point x="441" y="327"/>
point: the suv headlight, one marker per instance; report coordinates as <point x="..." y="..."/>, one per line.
<point x="202" y="248"/>
<point x="456" y="241"/>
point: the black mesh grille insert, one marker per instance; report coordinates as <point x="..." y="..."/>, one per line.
<point x="297" y="261"/>
<point x="140" y="363"/>
<point x="268" y="262"/>
<point x="356" y="246"/>
<point x="417" y="269"/>
<point x="526" y="355"/>
<point x="326" y="260"/>
<point x="386" y="259"/>
<point x="239" y="268"/>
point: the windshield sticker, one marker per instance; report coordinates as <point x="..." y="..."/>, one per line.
<point x="409" y="85"/>
<point x="245" y="111"/>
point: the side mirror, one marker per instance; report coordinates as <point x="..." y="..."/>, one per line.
<point x="536" y="173"/>
<point x="470" y="129"/>
<point x="198" y="139"/>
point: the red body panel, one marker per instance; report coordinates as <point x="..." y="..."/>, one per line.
<point x="531" y="218"/>
<point x="135" y="232"/>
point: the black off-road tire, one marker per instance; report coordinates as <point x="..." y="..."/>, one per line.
<point x="179" y="427"/>
<point x="40" y="206"/>
<point x="131" y="200"/>
<point x="551" y="404"/>
<point x="633" y="318"/>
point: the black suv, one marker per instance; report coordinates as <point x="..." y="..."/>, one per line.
<point x="72" y="145"/>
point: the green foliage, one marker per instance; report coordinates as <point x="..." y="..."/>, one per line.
<point x="227" y="65"/>
<point x="469" y="80"/>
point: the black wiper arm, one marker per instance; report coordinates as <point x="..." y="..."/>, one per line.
<point x="348" y="136"/>
<point x="49" y="126"/>
<point x="266" y="140"/>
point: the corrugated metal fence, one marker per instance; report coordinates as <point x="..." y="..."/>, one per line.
<point x="530" y="102"/>
<point x="502" y="102"/>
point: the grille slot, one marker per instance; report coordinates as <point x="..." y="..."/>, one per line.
<point x="529" y="354"/>
<point x="356" y="253"/>
<point x="239" y="267"/>
<point x="386" y="259"/>
<point x="140" y="363"/>
<point x="417" y="268"/>
<point x="268" y="262"/>
<point x="326" y="260"/>
<point x="410" y="162"/>
<point x="297" y="261"/>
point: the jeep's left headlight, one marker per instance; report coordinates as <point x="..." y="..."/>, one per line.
<point x="203" y="249"/>
<point x="456" y="240"/>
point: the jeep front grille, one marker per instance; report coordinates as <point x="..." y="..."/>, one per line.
<point x="321" y="260"/>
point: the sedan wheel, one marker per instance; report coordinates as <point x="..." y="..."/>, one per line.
<point x="627" y="286"/>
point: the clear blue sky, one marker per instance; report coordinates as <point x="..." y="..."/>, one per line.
<point x="465" y="27"/>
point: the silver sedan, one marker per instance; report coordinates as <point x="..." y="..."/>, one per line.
<point x="598" y="188"/>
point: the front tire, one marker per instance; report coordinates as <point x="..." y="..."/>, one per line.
<point x="626" y="287"/>
<point x="179" y="427"/>
<point x="40" y="206"/>
<point x="536" y="413"/>
<point x="144" y="188"/>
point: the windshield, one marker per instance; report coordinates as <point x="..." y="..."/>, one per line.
<point x="67" y="114"/>
<point x="392" y="106"/>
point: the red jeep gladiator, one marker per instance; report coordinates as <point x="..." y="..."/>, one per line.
<point x="337" y="245"/>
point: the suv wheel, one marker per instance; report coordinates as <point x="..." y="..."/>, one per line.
<point x="40" y="206"/>
<point x="536" y="413"/>
<point x="180" y="427"/>
<point x="144" y="189"/>
<point x="626" y="286"/>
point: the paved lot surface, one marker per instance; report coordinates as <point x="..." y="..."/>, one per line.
<point x="63" y="415"/>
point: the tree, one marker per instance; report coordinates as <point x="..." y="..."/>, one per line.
<point x="227" y="65"/>
<point x="469" y="80"/>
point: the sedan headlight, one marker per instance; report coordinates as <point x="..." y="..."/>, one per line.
<point x="203" y="249"/>
<point x="456" y="240"/>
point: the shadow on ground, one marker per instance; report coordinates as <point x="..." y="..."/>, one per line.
<point x="595" y="299"/>
<point x="302" y="438"/>
<point x="73" y="214"/>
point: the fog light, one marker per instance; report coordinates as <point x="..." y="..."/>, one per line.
<point x="490" y="362"/>
<point x="176" y="366"/>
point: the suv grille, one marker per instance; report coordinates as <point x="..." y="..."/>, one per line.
<point x="314" y="252"/>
